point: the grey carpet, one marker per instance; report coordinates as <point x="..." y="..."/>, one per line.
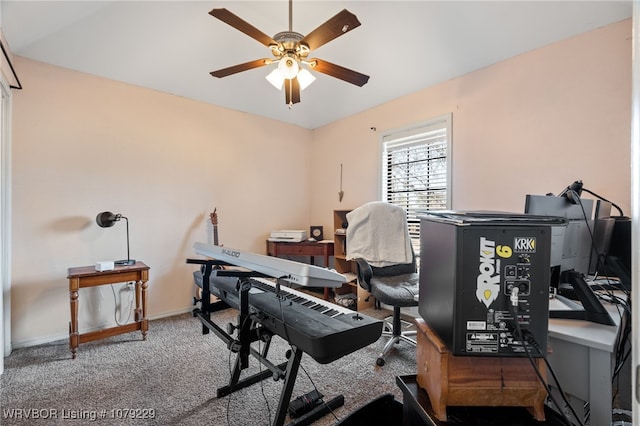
<point x="176" y="373"/>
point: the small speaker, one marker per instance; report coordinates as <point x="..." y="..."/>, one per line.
<point x="315" y="232"/>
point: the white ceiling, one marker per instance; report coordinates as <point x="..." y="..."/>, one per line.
<point x="405" y="46"/>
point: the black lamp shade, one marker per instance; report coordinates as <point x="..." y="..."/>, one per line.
<point x="106" y="219"/>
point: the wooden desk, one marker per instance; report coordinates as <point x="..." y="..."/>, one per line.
<point x="87" y="276"/>
<point x="304" y="248"/>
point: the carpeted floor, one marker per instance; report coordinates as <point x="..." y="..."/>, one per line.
<point x="172" y="379"/>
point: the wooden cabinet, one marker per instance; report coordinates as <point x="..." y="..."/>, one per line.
<point x="348" y="268"/>
<point x="341" y="263"/>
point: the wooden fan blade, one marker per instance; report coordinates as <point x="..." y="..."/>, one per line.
<point x="340" y="24"/>
<point x="291" y="91"/>
<point x="240" y="67"/>
<point x="241" y="25"/>
<point x="337" y="71"/>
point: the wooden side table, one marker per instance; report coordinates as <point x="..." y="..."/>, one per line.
<point x="87" y="276"/>
<point x="304" y="248"/>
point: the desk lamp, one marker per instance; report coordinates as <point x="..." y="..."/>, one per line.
<point x="574" y="191"/>
<point x="107" y="220"/>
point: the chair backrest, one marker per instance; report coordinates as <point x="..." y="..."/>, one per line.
<point x="378" y="233"/>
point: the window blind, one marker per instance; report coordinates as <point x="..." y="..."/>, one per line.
<point x="415" y="169"/>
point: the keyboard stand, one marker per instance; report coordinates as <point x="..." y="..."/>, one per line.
<point x="248" y="332"/>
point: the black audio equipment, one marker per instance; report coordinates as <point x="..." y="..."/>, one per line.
<point x="472" y="265"/>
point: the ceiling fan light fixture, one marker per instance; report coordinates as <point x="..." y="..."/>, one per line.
<point x="305" y="78"/>
<point x="290" y="50"/>
<point x="276" y="78"/>
<point x="288" y="67"/>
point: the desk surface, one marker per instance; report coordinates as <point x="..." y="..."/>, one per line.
<point x="86" y="271"/>
<point x="586" y="333"/>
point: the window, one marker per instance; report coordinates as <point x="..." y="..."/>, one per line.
<point x="416" y="170"/>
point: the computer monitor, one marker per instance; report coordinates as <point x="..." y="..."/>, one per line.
<point x="570" y="244"/>
<point x="619" y="255"/>
<point x="603" y="225"/>
<point x="571" y="249"/>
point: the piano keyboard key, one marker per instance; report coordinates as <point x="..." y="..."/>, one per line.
<point x="304" y="299"/>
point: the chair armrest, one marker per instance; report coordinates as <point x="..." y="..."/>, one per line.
<point x="364" y="273"/>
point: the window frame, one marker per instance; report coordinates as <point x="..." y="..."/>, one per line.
<point x="440" y="122"/>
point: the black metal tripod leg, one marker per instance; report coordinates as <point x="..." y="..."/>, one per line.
<point x="287" y="390"/>
<point x="247" y="381"/>
<point x="206" y="296"/>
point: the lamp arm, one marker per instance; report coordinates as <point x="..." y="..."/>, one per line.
<point x="127" y="220"/>
<point x="604" y="199"/>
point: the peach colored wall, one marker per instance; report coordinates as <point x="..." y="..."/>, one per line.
<point x="530" y="124"/>
<point x="82" y="145"/>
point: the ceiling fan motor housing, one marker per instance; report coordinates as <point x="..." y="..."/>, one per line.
<point x="289" y="42"/>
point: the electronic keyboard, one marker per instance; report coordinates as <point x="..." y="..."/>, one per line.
<point x="321" y="329"/>
<point x="289" y="270"/>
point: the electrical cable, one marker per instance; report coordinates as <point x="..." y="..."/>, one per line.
<point x="555" y="378"/>
<point x="604" y="199"/>
<point x="586" y="222"/>
<point x="231" y="388"/>
<point x="229" y="398"/>
<point x="609" y="296"/>
<point x="622" y="350"/>
<point x="115" y="312"/>
<point x="514" y="306"/>
<point x="599" y="256"/>
<point x="262" y="387"/>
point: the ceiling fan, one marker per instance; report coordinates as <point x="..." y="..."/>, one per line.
<point x="291" y="50"/>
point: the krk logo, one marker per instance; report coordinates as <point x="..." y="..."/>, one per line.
<point x="524" y="245"/>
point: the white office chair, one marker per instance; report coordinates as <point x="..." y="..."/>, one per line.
<point x="378" y="241"/>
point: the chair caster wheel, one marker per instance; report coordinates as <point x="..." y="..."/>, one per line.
<point x="380" y="362"/>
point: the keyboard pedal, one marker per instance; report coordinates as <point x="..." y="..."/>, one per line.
<point x="305" y="403"/>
